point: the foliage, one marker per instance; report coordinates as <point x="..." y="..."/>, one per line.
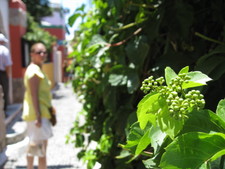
<point x="175" y="133"/>
<point x="121" y="42"/>
<point x="36" y="34"/>
<point x="38" y="9"/>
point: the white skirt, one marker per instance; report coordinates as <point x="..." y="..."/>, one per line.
<point x="39" y="133"/>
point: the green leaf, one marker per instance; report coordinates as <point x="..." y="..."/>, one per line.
<point x="157" y="137"/>
<point x="137" y="51"/>
<point x="97" y="40"/>
<point x="123" y="154"/>
<point x="197" y="79"/>
<point x="217" y="155"/>
<point x="169" y="75"/>
<point x="110" y="98"/>
<point x="105" y="143"/>
<point x="214" y="61"/>
<point x="191" y="150"/>
<point x="218" y="71"/>
<point x="81" y="8"/>
<point x="169" y="124"/>
<point x="205" y="165"/>
<point x="79" y="140"/>
<point x="117" y="80"/>
<point x="147" y="108"/>
<point x="118" y="75"/>
<point x="134" y="136"/>
<point x="143" y="143"/>
<point x="149" y="163"/>
<point x="220" y="111"/>
<point x="133" y="81"/>
<point x="73" y="18"/>
<point x="137" y="139"/>
<point x="211" y="63"/>
<point x="141" y="16"/>
<point x="203" y="121"/>
<point x="184" y="70"/>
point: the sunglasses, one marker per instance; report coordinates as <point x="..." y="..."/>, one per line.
<point x="40" y="52"/>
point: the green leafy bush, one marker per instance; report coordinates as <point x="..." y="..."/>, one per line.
<point x="36" y="34"/>
<point x="173" y="128"/>
<point x="121" y="42"/>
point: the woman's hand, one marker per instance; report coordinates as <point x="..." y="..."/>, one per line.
<point x="38" y="122"/>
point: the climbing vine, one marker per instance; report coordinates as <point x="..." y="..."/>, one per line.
<point x="122" y="42"/>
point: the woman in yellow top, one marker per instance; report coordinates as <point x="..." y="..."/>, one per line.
<point x="37" y="101"/>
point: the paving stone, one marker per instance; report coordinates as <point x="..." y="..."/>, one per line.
<point x="59" y="154"/>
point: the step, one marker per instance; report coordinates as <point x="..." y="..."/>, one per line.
<point x="14" y="152"/>
<point x="3" y="158"/>
<point x="12" y="112"/>
<point x="15" y="127"/>
<point x="17" y="133"/>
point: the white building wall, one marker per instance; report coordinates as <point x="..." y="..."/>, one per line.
<point x="58" y="16"/>
<point x="55" y="20"/>
<point x="4" y="28"/>
<point x="4" y="20"/>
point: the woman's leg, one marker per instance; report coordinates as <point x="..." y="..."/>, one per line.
<point x="30" y="162"/>
<point x="42" y="161"/>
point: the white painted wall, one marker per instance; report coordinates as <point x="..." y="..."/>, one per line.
<point x="57" y="60"/>
<point x="4" y="9"/>
<point x="4" y="28"/>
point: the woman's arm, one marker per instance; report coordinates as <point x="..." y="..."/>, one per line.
<point x="34" y="83"/>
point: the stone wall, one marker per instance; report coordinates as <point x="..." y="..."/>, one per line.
<point x="18" y="90"/>
<point x="2" y="129"/>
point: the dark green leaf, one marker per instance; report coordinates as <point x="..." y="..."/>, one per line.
<point x="134" y="137"/>
<point x="191" y="150"/>
<point x="143" y="143"/>
<point x="81" y="8"/>
<point x="203" y="121"/>
<point x="97" y="40"/>
<point x="137" y="51"/>
<point x="210" y="59"/>
<point x="73" y="18"/>
<point x="117" y="80"/>
<point x="133" y="81"/>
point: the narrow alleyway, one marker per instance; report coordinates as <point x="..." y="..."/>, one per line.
<point x="60" y="155"/>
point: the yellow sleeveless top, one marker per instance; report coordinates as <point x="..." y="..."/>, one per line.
<point x="44" y="94"/>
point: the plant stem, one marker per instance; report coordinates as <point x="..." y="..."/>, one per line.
<point x="208" y="39"/>
<point x="222" y="162"/>
<point x="143" y="5"/>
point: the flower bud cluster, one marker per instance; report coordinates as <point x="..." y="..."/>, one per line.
<point x="151" y="85"/>
<point x="179" y="103"/>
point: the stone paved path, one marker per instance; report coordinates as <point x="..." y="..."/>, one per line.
<point x="60" y="155"/>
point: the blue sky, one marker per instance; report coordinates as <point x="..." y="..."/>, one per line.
<point x="72" y="5"/>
